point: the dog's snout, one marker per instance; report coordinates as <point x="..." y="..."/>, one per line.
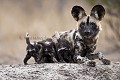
<point x="87" y="32"/>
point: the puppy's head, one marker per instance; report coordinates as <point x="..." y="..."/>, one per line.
<point x="88" y="25"/>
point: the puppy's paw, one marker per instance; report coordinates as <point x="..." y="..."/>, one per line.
<point x="106" y="62"/>
<point x="91" y="63"/>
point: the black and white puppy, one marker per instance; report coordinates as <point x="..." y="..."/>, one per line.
<point x="64" y="51"/>
<point x="88" y="29"/>
<point x="33" y="50"/>
<point x="48" y="51"/>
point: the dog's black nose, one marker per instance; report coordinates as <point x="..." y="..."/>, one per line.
<point x="87" y="33"/>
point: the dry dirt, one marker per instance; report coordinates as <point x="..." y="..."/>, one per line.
<point x="62" y="71"/>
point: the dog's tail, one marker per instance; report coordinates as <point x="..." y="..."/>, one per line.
<point x="27" y="39"/>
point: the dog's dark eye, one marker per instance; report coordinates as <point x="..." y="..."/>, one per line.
<point x="82" y="25"/>
<point x="92" y="24"/>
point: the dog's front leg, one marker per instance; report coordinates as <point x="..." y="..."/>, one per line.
<point x="90" y="63"/>
<point x="103" y="59"/>
<point x="99" y="56"/>
<point x="86" y="61"/>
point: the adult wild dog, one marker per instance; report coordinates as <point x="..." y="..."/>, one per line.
<point x="85" y="37"/>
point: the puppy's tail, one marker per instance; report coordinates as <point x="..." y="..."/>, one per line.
<point x="27" y="38"/>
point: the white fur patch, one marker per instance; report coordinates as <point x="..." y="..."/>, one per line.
<point x="79" y="57"/>
<point x="31" y="50"/>
<point x="80" y="15"/>
<point x="27" y="35"/>
<point x="100" y="55"/>
<point x="57" y="35"/>
<point x="47" y="42"/>
<point x="61" y="49"/>
<point x="96" y="15"/>
<point x="32" y="43"/>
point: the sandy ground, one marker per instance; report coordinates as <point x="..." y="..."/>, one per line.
<point x="63" y="71"/>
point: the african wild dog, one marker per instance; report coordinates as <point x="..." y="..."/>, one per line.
<point x="64" y="51"/>
<point x="85" y="37"/>
<point x="33" y="50"/>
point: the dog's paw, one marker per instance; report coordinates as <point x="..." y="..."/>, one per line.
<point x="79" y="61"/>
<point x="62" y="61"/>
<point x="91" y="63"/>
<point x="35" y="63"/>
<point x="26" y="64"/>
<point x="106" y="62"/>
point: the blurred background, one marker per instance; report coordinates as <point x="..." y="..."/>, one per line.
<point x="41" y="18"/>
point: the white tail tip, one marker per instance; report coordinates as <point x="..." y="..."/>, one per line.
<point x="27" y="35"/>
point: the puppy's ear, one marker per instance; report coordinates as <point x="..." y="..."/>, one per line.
<point x="78" y="12"/>
<point x="98" y="12"/>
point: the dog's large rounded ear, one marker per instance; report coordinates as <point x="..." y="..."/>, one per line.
<point x="78" y="12"/>
<point x="98" y="12"/>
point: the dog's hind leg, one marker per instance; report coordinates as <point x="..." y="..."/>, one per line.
<point x="26" y="59"/>
<point x="36" y="59"/>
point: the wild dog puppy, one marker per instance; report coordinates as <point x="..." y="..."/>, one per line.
<point x="64" y="51"/>
<point x="48" y="51"/>
<point x="32" y="49"/>
<point x="88" y="28"/>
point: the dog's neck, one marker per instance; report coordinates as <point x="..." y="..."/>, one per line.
<point x="87" y="43"/>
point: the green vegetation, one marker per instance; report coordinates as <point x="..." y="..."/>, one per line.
<point x="108" y="3"/>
